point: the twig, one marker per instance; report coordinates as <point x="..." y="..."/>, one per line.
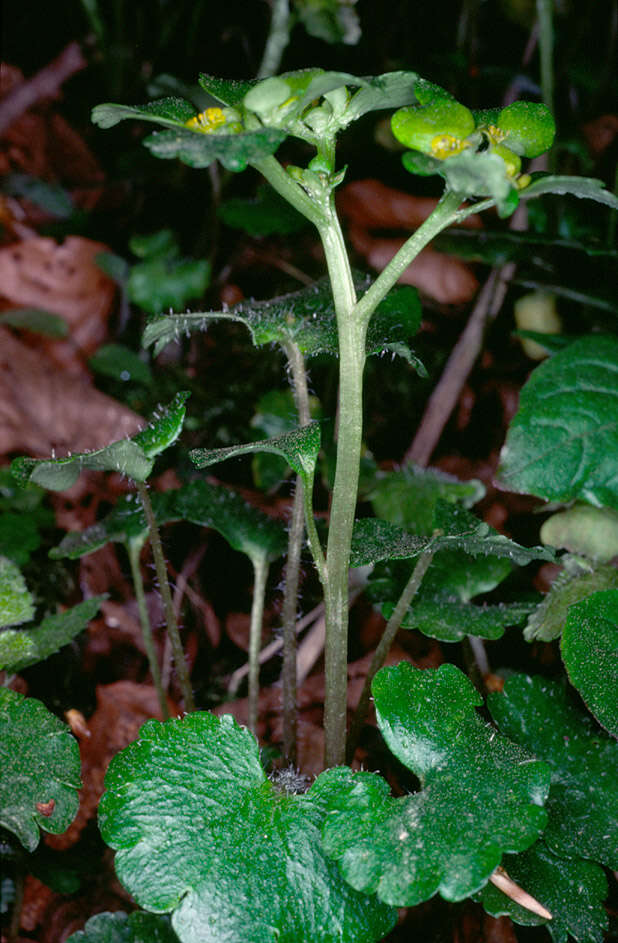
<point x="133" y="549"/>
<point x="260" y="570"/>
<point x="508" y="886"/>
<point x="44" y="84"/>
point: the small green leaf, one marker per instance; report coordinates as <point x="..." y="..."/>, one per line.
<point x="165" y="281"/>
<point x="16" y="602"/>
<point x="421" y="164"/>
<point x="264" y="215"/>
<point x="450" y="621"/>
<point x="529" y="127"/>
<point x="586" y="188"/>
<point x="572" y="890"/>
<point x="19" y="536"/>
<point x="590" y="653"/>
<point x="229" y="92"/>
<point x="575" y="582"/>
<point x="538" y="714"/>
<point x="200" y="831"/>
<point x="584" y="530"/>
<point x="234" y="151"/>
<point x="133" y="457"/>
<point x="36" y="320"/>
<point x="481" y="795"/>
<point x="117" y="927"/>
<point x="245" y="528"/>
<point x="20" y="648"/>
<point x="120" y="363"/>
<point x="299" y="448"/>
<point x="418" y="126"/>
<point x="562" y="444"/>
<point x="40" y="769"/>
<point x="173" y="112"/>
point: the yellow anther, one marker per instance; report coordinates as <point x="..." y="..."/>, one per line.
<point x="496" y="134"/>
<point x="207" y="121"/>
<point x="446" y="145"/>
<point x="523" y="181"/>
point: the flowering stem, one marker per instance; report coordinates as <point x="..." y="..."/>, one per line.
<point x="133" y="549"/>
<point x="260" y="570"/>
<point x="166" y="596"/>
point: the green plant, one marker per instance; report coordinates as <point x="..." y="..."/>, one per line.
<point x="200" y="831"/>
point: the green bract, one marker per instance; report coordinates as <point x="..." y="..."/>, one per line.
<point x="437" y="129"/>
<point x="528" y="128"/>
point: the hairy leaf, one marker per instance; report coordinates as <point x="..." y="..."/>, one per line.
<point x="586" y="188"/>
<point x="133" y="457"/>
<point x="119" y="928"/>
<point x="234" y="151"/>
<point x="575" y="581"/>
<point x="40" y="769"/>
<point x="450" y="621"/>
<point x="590" y="653"/>
<point x="20" y="648"/>
<point x="572" y="890"/>
<point x="16" y="602"/>
<point x="200" y="831"/>
<point x="562" y="444"/>
<point x="171" y="111"/>
<point x="538" y="714"/>
<point x="481" y="795"/>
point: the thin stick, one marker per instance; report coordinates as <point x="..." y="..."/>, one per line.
<point x="260" y="570"/>
<point x="277" y="40"/>
<point x="508" y="886"/>
<point x="166" y="596"/>
<point x="384" y="645"/>
<point x="133" y="549"/>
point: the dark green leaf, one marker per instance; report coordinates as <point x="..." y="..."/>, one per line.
<point x="590" y="653"/>
<point x="481" y="795"/>
<point x="133" y="457"/>
<point x="169" y="111"/>
<point x="19" y="536"/>
<point x="421" y="164"/>
<point x="20" y="648"/>
<point x="16" y="602"/>
<point x="119" y="928"/>
<point x="264" y="215"/>
<point x="120" y="363"/>
<point x="234" y="151"/>
<point x="40" y="769"/>
<point x="164" y="281"/>
<point x="50" y="197"/>
<point x="200" y="831"/>
<point x="586" y="188"/>
<point x="227" y="91"/>
<point x="562" y="444"/>
<point x="299" y="448"/>
<point x="572" y="890"/>
<point x="113" y="265"/>
<point x="537" y="714"/>
<point x="576" y="581"/>
<point x="36" y="320"/>
<point x="451" y="621"/>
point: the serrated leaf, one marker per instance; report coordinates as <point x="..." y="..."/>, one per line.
<point x="170" y="111"/>
<point x="200" y="831"/>
<point x="572" y="890"/>
<point x="119" y="927"/>
<point x="20" y="648"/>
<point x="36" y="320"/>
<point x="590" y="653"/>
<point x="40" y="769"/>
<point x="245" y="528"/>
<point x="586" y="188"/>
<point x="374" y="540"/>
<point x="576" y="581"/>
<point x="408" y="496"/>
<point x="562" y="444"/>
<point x="234" y="151"/>
<point x="306" y="318"/>
<point x="537" y="713"/>
<point x="299" y="448"/>
<point x="16" y="602"/>
<point x="481" y="795"/>
<point x="133" y="457"/>
<point x="451" y="621"/>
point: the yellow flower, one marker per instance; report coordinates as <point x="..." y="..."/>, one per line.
<point x="207" y="121"/>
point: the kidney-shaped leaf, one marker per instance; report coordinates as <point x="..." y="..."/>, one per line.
<point x="200" y="831"/>
<point x="119" y="927"/>
<point x="481" y="794"/>
<point x="133" y="457"/>
<point x="450" y="620"/>
<point x="590" y="653"/>
<point x="20" y="648"/>
<point x="583" y="800"/>
<point x="40" y="765"/>
<point x="572" y="890"/>
<point x="563" y="442"/>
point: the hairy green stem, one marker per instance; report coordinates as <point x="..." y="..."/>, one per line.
<point x="444" y="215"/>
<point x="166" y="596"/>
<point x="280" y="180"/>
<point x="133" y="550"/>
<point x="260" y="571"/>
<point x="277" y="39"/>
<point x="292" y="569"/>
<point x="384" y="645"/>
